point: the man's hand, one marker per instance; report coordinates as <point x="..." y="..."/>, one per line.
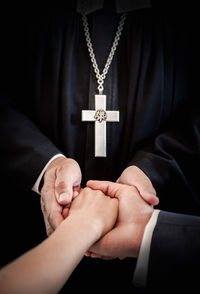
<point x="134" y="176"/>
<point x="62" y="181"/>
<point x="125" y="238"/>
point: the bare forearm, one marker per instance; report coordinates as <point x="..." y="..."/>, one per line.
<point x="46" y="268"/>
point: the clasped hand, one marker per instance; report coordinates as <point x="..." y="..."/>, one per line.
<point x="135" y="195"/>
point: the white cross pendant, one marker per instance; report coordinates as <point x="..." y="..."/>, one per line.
<point x="100" y="116"/>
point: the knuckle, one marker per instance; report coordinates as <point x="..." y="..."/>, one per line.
<point x="52" y="219"/>
<point x="43" y="208"/>
<point x="59" y="169"/>
<point x="49" y="218"/>
<point x="45" y="190"/>
<point x="49" y="231"/>
<point x="60" y="185"/>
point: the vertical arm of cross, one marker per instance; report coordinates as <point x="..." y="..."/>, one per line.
<point x="100" y="128"/>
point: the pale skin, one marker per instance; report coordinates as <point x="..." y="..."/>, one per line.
<point x="62" y="182"/>
<point x="46" y="268"/>
<point x="114" y="227"/>
<point x="124" y="240"/>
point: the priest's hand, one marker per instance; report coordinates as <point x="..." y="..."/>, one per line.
<point x="124" y="240"/>
<point x="134" y="176"/>
<point x="62" y="181"/>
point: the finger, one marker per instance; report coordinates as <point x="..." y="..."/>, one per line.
<point x="65" y="212"/>
<point x="55" y="218"/>
<point x="76" y="191"/>
<point x="52" y="209"/>
<point x="67" y="178"/>
<point x="150" y="198"/>
<point x="49" y="229"/>
<point x="142" y="183"/>
<point x="93" y="255"/>
<point x="147" y="192"/>
<point x="108" y="188"/>
<point x="63" y="189"/>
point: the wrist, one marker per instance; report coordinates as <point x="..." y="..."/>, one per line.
<point x="138" y="230"/>
<point x="56" y="162"/>
<point x="40" y="180"/>
<point x="90" y="229"/>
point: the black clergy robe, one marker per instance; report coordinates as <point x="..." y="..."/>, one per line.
<point x="47" y="79"/>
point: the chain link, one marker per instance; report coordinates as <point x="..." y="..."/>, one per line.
<point x="101" y="77"/>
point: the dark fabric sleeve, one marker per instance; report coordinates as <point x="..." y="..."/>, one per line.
<point x="171" y="158"/>
<point x="174" y="257"/>
<point x="171" y="162"/>
<point x="24" y="150"/>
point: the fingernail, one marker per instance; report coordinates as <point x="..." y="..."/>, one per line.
<point x="157" y="199"/>
<point x="64" y="197"/>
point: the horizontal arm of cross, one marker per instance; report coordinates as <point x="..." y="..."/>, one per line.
<point x="112" y="116"/>
<point x="88" y="115"/>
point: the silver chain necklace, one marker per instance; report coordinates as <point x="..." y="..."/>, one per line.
<point x="100" y="115"/>
<point x="101" y="77"/>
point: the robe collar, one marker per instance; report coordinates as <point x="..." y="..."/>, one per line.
<point x="121" y="6"/>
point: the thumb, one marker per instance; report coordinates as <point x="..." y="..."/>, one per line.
<point x="147" y="192"/>
<point x="63" y="190"/>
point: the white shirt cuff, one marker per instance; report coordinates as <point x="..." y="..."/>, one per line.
<point x="35" y="188"/>
<point x="140" y="274"/>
